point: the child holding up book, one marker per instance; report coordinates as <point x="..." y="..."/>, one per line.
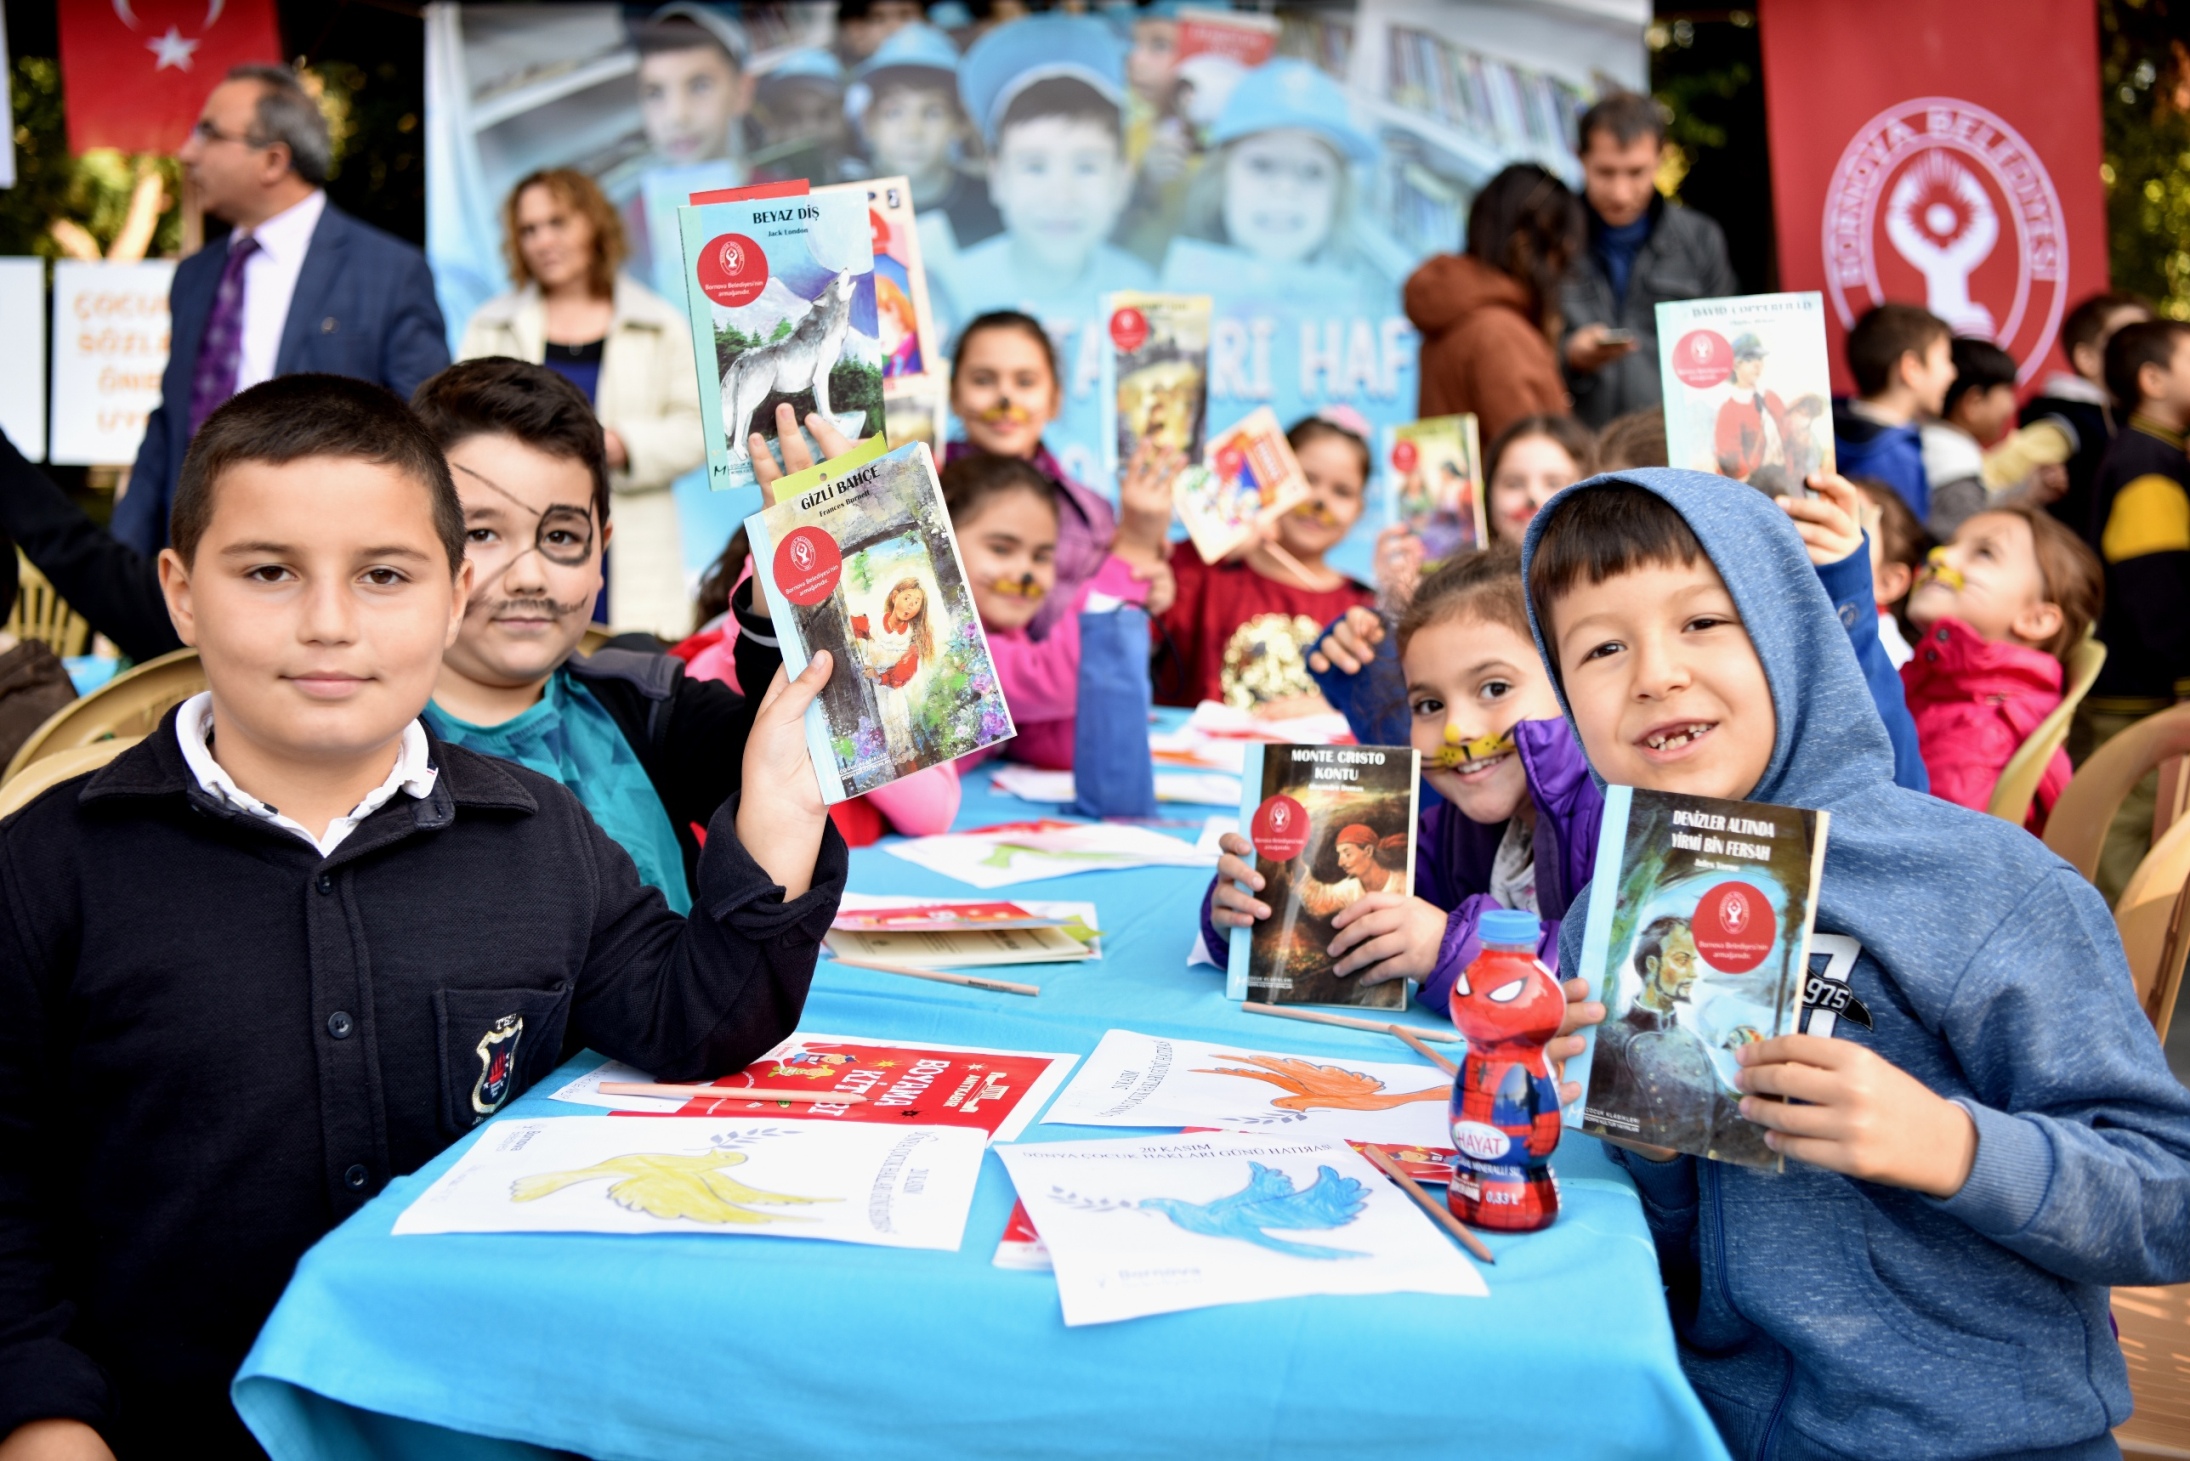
<point x="1997" y="612"/>
<point x="1518" y="823"/>
<point x="1973" y="1163"/>
<point x="345" y="941"/>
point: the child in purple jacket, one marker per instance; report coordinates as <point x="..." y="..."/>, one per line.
<point x="1518" y="824"/>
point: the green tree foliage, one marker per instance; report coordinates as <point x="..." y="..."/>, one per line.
<point x="2144" y="70"/>
<point x="93" y="189"/>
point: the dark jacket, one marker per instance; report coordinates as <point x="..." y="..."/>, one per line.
<point x="1483" y="350"/>
<point x="115" y="587"/>
<point x="215" y="1045"/>
<point x="2140" y="502"/>
<point x="1893" y="455"/>
<point x="364" y="307"/>
<point x="1684" y="258"/>
<point x="2090" y="427"/>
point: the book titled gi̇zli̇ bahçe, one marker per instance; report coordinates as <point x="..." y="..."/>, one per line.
<point x="1330" y="825"/>
<point x="859" y="559"/>
<point x="1697" y="941"/>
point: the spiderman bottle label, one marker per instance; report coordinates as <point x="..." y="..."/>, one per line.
<point x="1505" y="1101"/>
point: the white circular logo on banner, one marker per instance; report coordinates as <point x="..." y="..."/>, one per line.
<point x="1940" y="200"/>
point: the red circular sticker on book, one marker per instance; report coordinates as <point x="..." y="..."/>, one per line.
<point x="1231" y="463"/>
<point x="1734" y="927"/>
<point x="1703" y="359"/>
<point x="808" y="566"/>
<point x="878" y="232"/>
<point x="1279" y="829"/>
<point x="733" y="270"/>
<point x="1404" y="456"/>
<point x="1129" y="329"/>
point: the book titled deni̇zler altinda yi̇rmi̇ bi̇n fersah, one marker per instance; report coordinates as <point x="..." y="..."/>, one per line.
<point x="1698" y="942"/>
<point x="858" y="558"/>
<point x="1330" y="826"/>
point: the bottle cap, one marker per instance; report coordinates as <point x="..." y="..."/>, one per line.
<point x="1510" y="926"/>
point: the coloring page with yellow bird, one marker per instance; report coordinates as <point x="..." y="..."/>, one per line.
<point x="892" y="1187"/>
<point x="1153" y="1225"/>
<point x="1148" y="1080"/>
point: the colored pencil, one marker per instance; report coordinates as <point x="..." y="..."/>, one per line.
<point x="1381" y="1027"/>
<point x="724" y="1093"/>
<point x="1429" y="1204"/>
<point x="1423" y="1050"/>
<point x="881" y="966"/>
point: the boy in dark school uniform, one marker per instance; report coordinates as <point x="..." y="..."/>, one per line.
<point x="292" y="944"/>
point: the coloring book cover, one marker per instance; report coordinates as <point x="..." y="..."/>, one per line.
<point x="1248" y="476"/>
<point x="1698" y="942"/>
<point x="890" y="1186"/>
<point x="1150" y="1080"/>
<point x="1155" y="375"/>
<point x="1330" y="825"/>
<point x="859" y="559"/>
<point x="780" y="294"/>
<point x="1748" y="388"/>
<point x="1159" y="1224"/>
<point x="1435" y="483"/>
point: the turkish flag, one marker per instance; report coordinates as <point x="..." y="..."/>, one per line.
<point x="135" y="73"/>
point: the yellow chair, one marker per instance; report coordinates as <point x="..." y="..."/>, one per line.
<point x="595" y="636"/>
<point x="40" y="613"/>
<point x="2150" y="918"/>
<point x="129" y="705"/>
<point x="2077" y="828"/>
<point x="2018" y="783"/>
<point x="2155" y="1337"/>
<point x="18" y="792"/>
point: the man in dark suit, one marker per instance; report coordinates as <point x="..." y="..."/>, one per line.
<point x="297" y="284"/>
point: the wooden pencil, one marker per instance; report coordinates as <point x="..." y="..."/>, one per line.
<point x="1429" y="1204"/>
<point x="1319" y="1017"/>
<point x="1423" y="1050"/>
<point x="940" y="976"/>
<point x="725" y="1093"/>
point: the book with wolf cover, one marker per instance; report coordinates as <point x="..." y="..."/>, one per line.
<point x="1435" y="471"/>
<point x="1330" y="825"/>
<point x="1697" y="941"/>
<point x="1748" y="388"/>
<point x="780" y="294"/>
<point x="858" y="558"/>
<point x="1249" y="476"/>
<point x="1155" y="375"/>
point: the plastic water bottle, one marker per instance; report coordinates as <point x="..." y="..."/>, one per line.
<point x="1505" y="1101"/>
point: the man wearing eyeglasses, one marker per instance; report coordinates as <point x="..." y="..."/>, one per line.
<point x="296" y="285"/>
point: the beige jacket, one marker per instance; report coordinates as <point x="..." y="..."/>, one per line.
<point x="649" y="396"/>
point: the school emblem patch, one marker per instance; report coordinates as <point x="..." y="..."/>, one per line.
<point x="497" y="1052"/>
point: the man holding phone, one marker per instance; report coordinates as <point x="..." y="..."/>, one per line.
<point x="1642" y="250"/>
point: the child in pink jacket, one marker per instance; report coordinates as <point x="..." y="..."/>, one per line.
<point x="1996" y="611"/>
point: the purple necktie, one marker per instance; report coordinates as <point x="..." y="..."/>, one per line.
<point x="221" y="350"/>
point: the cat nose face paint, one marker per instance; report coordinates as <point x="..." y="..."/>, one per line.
<point x="1023" y="587"/>
<point x="1456" y="753"/>
<point x="1938" y="570"/>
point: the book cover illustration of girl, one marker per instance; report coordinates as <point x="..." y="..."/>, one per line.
<point x="892" y="655"/>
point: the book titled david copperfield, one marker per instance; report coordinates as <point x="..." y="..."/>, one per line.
<point x="858" y="558"/>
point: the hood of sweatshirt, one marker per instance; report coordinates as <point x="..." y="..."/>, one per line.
<point x="1869" y="1319"/>
<point x="1450" y="287"/>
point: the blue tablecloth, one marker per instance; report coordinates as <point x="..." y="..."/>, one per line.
<point x="461" y="1346"/>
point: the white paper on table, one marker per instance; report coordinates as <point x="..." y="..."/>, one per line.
<point x="1213" y="829"/>
<point x="889" y="1186"/>
<point x="1064" y="910"/>
<point x="1003" y="1095"/>
<point x="1153" y="1225"/>
<point x="1150" y="1080"/>
<point x="1216" y="753"/>
<point x="1323" y="728"/>
<point x="997" y="859"/>
<point x="1204" y="788"/>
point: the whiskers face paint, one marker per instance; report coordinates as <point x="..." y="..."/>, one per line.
<point x="1938" y="570"/>
<point x="1315" y="512"/>
<point x="1457" y="755"/>
<point x="1026" y="586"/>
<point x="1004" y="412"/>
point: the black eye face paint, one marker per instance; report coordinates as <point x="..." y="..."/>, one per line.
<point x="562" y="535"/>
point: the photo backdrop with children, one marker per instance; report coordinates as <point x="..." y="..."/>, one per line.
<point x="1295" y="168"/>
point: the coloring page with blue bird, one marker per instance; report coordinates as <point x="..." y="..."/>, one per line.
<point x="1149" y="1080"/>
<point x="1155" y="1225"/>
<point x="890" y="1186"/>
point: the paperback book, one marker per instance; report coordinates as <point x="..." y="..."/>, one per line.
<point x="1249" y="477"/>
<point x="1436" y="483"/>
<point x="1748" y="388"/>
<point x="1155" y="375"/>
<point x="858" y="558"/>
<point x="780" y="294"/>
<point x="953" y="948"/>
<point x="915" y="373"/>
<point x="939" y="918"/>
<point x="1698" y="942"/>
<point x="1330" y="825"/>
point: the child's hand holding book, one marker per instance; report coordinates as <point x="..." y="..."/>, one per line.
<point x="1387" y="936"/>
<point x="1831" y="522"/>
<point x="1350" y="644"/>
<point x="1859" y="1114"/>
<point x="780" y="813"/>
<point x="1233" y="906"/>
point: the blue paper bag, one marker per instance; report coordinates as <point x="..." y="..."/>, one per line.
<point x="1112" y="774"/>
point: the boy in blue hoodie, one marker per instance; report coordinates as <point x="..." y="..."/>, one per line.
<point x="1975" y="1160"/>
<point x="1903" y="362"/>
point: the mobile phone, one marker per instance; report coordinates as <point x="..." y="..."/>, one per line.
<point x="1619" y="337"/>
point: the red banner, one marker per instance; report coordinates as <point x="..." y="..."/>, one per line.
<point x="135" y="73"/>
<point x="1938" y="152"/>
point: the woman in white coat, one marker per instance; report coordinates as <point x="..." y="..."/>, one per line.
<point x="630" y="351"/>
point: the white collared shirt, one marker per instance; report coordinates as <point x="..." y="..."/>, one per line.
<point x="413" y="774"/>
<point x="270" y="282"/>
